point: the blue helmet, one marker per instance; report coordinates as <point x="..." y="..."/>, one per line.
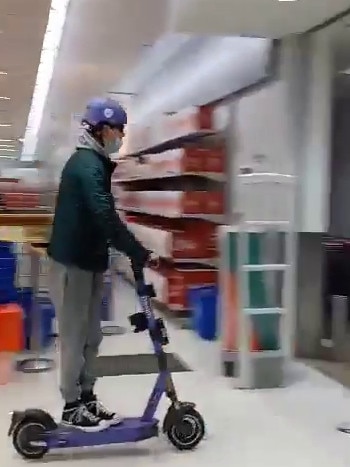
<point x="107" y="111"/>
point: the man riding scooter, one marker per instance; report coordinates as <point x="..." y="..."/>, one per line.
<point x="85" y="225"/>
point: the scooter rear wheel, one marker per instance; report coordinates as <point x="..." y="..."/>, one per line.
<point x="188" y="431"/>
<point x="28" y="439"/>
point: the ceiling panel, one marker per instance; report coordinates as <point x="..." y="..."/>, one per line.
<point x="22" y="28"/>
<point x="102" y="41"/>
<point x="264" y="18"/>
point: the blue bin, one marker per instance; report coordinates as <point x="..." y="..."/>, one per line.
<point x="47" y="313"/>
<point x="8" y="295"/>
<point x="7" y="248"/>
<point x="7" y="261"/>
<point x="7" y="279"/>
<point x="7" y="283"/>
<point x="203" y="303"/>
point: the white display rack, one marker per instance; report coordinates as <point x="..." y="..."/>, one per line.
<point x="265" y="207"/>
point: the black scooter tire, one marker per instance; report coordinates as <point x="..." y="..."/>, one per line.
<point x="188" y="431"/>
<point x="26" y="432"/>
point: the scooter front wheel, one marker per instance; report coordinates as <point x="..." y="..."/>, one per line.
<point x="28" y="439"/>
<point x="187" y="431"/>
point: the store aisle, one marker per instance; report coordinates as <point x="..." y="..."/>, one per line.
<point x="292" y="427"/>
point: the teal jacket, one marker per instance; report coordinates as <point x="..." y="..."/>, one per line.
<point x="86" y="223"/>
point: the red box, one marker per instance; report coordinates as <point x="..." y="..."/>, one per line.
<point x="213" y="202"/>
<point x="180" y="279"/>
<point x="11" y="328"/>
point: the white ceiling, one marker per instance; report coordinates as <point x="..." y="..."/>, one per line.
<point x="101" y="41"/>
<point x="22" y="28"/>
<point x="264" y="18"/>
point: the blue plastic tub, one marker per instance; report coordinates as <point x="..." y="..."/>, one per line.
<point x="7" y="278"/>
<point x="47" y="312"/>
<point x="203" y="303"/>
<point x="7" y="261"/>
<point x="6" y="248"/>
<point x="8" y="294"/>
<point x="7" y="282"/>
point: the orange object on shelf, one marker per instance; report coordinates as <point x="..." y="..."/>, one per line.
<point x="213" y="202"/>
<point x="171" y="283"/>
<point x="177" y="242"/>
<point x="21" y="200"/>
<point x="214" y="160"/>
<point x="172" y="163"/>
<point x="173" y="203"/>
<point x="11" y="328"/>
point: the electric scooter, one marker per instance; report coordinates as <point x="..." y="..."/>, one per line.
<point x="34" y="432"/>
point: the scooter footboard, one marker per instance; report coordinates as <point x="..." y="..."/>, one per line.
<point x="130" y="431"/>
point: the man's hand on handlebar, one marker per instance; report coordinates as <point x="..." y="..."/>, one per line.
<point x="153" y="260"/>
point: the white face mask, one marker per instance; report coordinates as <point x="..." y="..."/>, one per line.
<point x="113" y="146"/>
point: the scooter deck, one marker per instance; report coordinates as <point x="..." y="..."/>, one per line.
<point x="129" y="431"/>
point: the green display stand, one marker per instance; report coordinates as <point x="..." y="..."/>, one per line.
<point x="266" y="327"/>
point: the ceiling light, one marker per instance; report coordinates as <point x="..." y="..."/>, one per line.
<point x="50" y="47"/>
<point x="7" y="146"/>
<point x="5" y="125"/>
<point x="7" y="140"/>
<point x="8" y="150"/>
<point x="5" y="98"/>
<point x="3" y="72"/>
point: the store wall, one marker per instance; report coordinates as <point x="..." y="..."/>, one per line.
<point x="262" y="130"/>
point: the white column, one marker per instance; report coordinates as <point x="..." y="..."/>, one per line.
<point x="307" y="68"/>
<point x="316" y="173"/>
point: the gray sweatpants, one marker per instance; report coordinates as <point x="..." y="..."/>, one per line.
<point x="77" y="296"/>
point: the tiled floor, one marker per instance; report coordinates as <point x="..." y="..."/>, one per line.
<point x="291" y="427"/>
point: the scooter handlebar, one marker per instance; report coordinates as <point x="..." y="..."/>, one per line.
<point x="137" y="270"/>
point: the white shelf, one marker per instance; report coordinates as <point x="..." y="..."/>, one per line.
<point x="173" y="143"/>
<point x="264" y="311"/>
<point x="215" y="218"/>
<point x="264" y="267"/>
<point x="210" y="175"/>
